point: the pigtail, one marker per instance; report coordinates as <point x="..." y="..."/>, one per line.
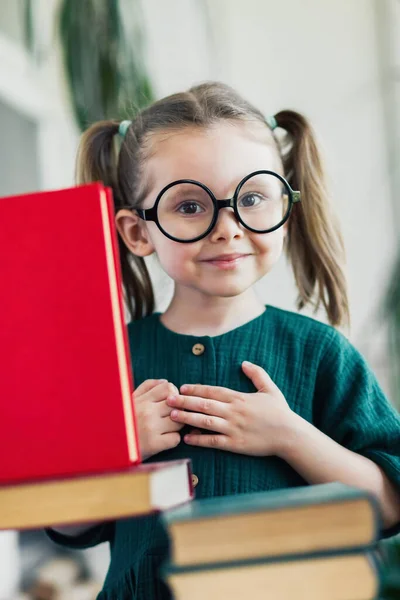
<point x="97" y="160"/>
<point x="315" y="245"/>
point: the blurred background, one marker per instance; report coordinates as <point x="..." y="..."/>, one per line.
<point x="66" y="63"/>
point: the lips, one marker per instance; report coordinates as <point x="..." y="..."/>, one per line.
<point x="225" y="257"/>
<point x="226" y="262"/>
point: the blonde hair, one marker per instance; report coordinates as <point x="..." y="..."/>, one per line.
<point x="314" y="243"/>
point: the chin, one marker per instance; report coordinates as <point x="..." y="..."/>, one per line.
<point x="226" y="290"/>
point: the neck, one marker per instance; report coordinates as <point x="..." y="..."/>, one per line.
<point x="190" y="313"/>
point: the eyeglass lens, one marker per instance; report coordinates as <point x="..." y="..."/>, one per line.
<point x="185" y="210"/>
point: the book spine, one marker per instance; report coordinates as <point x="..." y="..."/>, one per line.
<point x="114" y="237"/>
<point x="115" y="279"/>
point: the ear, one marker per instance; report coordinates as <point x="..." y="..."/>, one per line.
<point x="134" y="233"/>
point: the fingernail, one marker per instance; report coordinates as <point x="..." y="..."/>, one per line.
<point x="246" y="363"/>
<point x="184" y="388"/>
<point x="174" y="414"/>
<point x="171" y="398"/>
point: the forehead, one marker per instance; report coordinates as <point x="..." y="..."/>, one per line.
<point x="218" y="156"/>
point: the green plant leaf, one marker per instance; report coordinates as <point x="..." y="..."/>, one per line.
<point x="102" y="45"/>
<point x="28" y="25"/>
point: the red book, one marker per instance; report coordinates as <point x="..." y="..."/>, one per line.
<point x="65" y="373"/>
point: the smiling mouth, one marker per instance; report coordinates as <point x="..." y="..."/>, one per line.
<point x="226" y="257"/>
<point x="226" y="261"/>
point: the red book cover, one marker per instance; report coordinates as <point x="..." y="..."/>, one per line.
<point x="66" y="384"/>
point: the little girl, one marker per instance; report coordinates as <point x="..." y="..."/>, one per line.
<point x="259" y="398"/>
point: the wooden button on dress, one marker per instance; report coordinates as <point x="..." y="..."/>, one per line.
<point x="198" y="349"/>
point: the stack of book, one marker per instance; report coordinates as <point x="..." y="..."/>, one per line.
<point x="308" y="543"/>
<point x="68" y="439"/>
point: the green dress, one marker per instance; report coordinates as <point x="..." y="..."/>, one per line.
<point x="323" y="378"/>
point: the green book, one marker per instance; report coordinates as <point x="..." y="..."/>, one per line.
<point x="341" y="576"/>
<point x="280" y="523"/>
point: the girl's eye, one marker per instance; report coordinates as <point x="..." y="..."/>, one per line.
<point x="190" y="208"/>
<point x="251" y="200"/>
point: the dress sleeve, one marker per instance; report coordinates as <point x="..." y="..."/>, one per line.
<point x="351" y="408"/>
<point x="92" y="536"/>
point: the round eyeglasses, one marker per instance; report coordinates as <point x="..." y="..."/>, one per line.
<point x="187" y="210"/>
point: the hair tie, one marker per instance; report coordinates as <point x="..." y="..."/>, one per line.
<point x="123" y="128"/>
<point x="271" y="122"/>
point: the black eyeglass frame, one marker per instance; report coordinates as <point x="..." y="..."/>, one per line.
<point x="150" y="214"/>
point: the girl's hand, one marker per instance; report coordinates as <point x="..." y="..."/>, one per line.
<point x="244" y="423"/>
<point x="156" y="431"/>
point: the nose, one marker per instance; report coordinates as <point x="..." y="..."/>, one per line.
<point x="227" y="226"/>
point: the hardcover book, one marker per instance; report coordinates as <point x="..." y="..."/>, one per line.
<point x="65" y="371"/>
<point x="128" y="492"/>
<point x="279" y="523"/>
<point x="349" y="576"/>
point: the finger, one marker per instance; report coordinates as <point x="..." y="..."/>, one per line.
<point x="215" y="408"/>
<point x="147" y="385"/>
<point x="200" y="421"/>
<point x="163" y="409"/>
<point x="212" y="392"/>
<point x="168" y="425"/>
<point x="208" y="441"/>
<point x="169" y="440"/>
<point x="161" y="392"/>
<point x="260" y="378"/>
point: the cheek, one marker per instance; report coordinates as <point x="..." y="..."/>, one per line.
<point x="175" y="258"/>
<point x="270" y="245"/>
